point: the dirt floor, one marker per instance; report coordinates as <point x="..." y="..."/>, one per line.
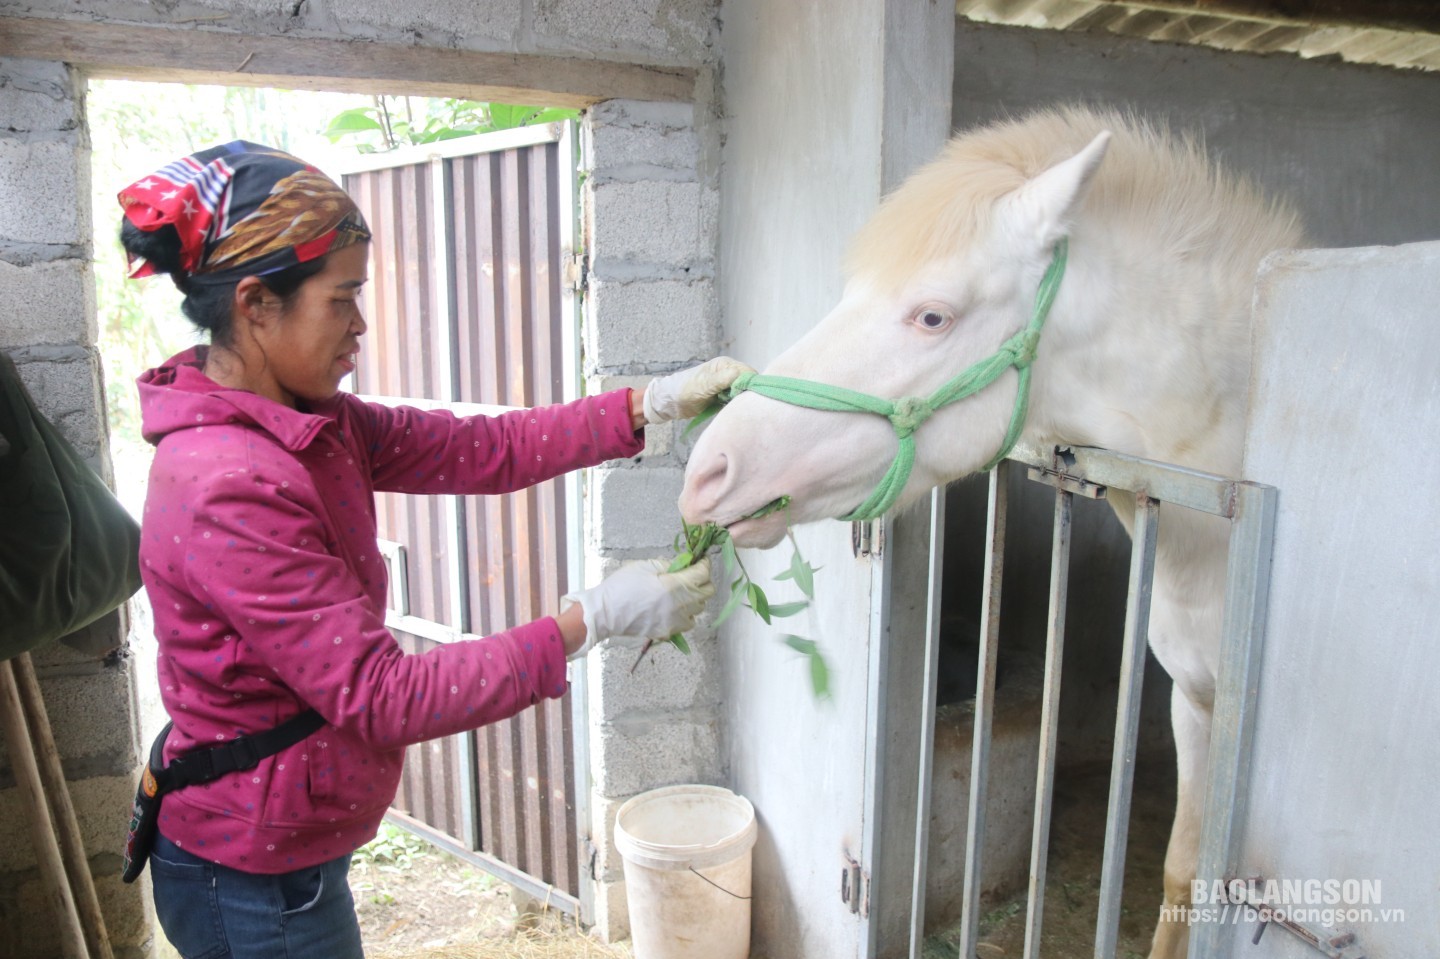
<point x="1072" y="876"/>
<point x="418" y="902"/>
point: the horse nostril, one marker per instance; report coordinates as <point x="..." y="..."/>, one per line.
<point x="709" y="482"/>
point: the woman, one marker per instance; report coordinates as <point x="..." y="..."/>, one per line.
<point x="260" y="560"/>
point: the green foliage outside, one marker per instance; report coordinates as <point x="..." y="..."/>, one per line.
<point x="391" y="122"/>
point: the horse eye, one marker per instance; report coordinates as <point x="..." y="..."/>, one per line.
<point x="932" y="320"/>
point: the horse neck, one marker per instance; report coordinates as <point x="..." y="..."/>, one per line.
<point x="1146" y="359"/>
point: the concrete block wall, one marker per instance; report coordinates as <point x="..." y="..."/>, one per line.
<point x="47" y="326"/>
<point x="658" y="32"/>
<point x="650" y="202"/>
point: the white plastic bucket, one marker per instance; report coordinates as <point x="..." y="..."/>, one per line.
<point x="686" y="851"/>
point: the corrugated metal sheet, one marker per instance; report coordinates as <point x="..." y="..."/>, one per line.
<point x="466" y="306"/>
<point x="1379" y="45"/>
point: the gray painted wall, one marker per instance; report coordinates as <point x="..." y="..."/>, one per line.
<point x="826" y="105"/>
<point x="1346" y="763"/>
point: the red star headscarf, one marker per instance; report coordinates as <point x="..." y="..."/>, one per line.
<point x="243" y="209"/>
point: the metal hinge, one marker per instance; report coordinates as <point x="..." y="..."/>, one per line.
<point x="592" y="858"/>
<point x="577" y="271"/>
<point x="855" y="887"/>
<point x="867" y="538"/>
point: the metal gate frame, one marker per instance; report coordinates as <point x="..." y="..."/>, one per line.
<point x="464" y="837"/>
<point x="1092" y="473"/>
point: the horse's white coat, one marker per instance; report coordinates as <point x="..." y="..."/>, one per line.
<point x="1146" y="352"/>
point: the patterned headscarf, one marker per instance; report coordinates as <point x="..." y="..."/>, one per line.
<point x="243" y="209"/>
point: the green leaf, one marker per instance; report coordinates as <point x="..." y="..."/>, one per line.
<point x="552" y="115"/>
<point x="737" y="594"/>
<point x="759" y="603"/>
<point x="683" y="561"/>
<point x="773" y="506"/>
<point x="680" y="643"/>
<point x="507" y="116"/>
<point x="800" y="644"/>
<point x="353" y="121"/>
<point x="781" y="610"/>
<point x="819" y="676"/>
<point x="804" y="576"/>
<point x="802" y="573"/>
<point x="727" y="553"/>
<point x="819" y="670"/>
<point x="700" y="419"/>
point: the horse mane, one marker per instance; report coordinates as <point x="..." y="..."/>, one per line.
<point x="1151" y="179"/>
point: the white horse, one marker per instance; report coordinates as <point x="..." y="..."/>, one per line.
<point x="1146" y="352"/>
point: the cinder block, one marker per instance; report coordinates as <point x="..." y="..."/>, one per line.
<point x="85" y="711"/>
<point x="37" y="96"/>
<point x="102" y="810"/>
<point x="633" y="756"/>
<point x="45" y="192"/>
<point x="660" y="438"/>
<point x="495" y="24"/>
<point x="66" y="390"/>
<point x="127" y="909"/>
<point x="612" y="911"/>
<point x="635" y="508"/>
<point x="609" y="865"/>
<point x="666" y="679"/>
<point x="665" y="322"/>
<point x="670" y="32"/>
<point x="626" y="152"/>
<point x="47" y="302"/>
<point x="666" y="224"/>
<point x="651" y="114"/>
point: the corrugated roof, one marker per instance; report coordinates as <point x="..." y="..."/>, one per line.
<point x="1357" y="43"/>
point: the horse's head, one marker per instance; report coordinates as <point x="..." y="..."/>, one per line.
<point x="943" y="274"/>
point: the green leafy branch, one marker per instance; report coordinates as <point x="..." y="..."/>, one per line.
<point x="695" y="542"/>
<point x="391" y="122"/>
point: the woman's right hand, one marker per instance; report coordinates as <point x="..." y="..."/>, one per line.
<point x="641" y="599"/>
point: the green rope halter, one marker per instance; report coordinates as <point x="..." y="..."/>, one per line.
<point x="907" y="414"/>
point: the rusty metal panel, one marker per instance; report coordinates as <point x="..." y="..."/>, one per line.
<point x="476" y="243"/>
<point x="507" y="271"/>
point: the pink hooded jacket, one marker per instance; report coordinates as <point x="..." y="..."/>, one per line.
<point x="259" y="556"/>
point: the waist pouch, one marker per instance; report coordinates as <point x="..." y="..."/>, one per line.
<point x="199" y="766"/>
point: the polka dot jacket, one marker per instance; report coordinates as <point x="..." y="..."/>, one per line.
<point x="259" y="557"/>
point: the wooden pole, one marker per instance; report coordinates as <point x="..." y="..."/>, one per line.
<point x="52" y="776"/>
<point x="32" y="797"/>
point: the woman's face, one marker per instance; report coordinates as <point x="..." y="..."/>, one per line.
<point x="311" y="341"/>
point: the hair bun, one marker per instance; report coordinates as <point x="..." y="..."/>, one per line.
<point x="159" y="247"/>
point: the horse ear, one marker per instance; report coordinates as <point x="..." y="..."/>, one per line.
<point x="1042" y="209"/>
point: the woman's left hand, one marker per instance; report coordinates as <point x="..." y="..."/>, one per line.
<point x="686" y="394"/>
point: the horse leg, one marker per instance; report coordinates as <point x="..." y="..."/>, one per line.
<point x="1191" y="722"/>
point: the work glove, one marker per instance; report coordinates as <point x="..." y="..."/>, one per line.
<point x="685" y="394"/>
<point x="641" y="599"/>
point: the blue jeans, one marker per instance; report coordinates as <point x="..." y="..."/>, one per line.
<point x="214" y="912"/>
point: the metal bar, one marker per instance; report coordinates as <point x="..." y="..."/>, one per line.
<point x="1127" y="723"/>
<point x="1232" y="730"/>
<point x="448" y="149"/>
<point x="1049" y="720"/>
<point x="574" y="525"/>
<point x="933" y="606"/>
<point x="541" y="891"/>
<point x="984" y="703"/>
<point x="1193" y="489"/>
